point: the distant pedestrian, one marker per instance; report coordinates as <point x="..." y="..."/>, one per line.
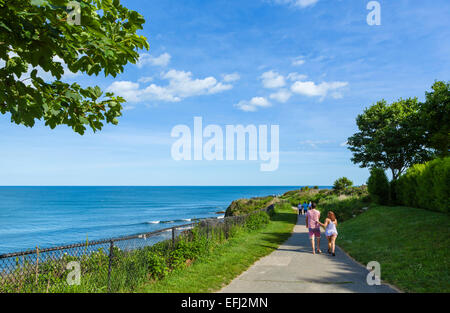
<point x="305" y="207"/>
<point x="312" y="223"/>
<point x="299" y="209"/>
<point x="331" y="231"/>
<point x="309" y="205"/>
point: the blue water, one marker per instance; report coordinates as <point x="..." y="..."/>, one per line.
<point x="48" y="216"/>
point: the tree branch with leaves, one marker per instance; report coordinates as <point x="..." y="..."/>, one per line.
<point x="36" y="41"/>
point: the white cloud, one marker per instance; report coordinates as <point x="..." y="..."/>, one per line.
<point x="296" y="76"/>
<point x="181" y="85"/>
<point x="162" y="60"/>
<point x="128" y="107"/>
<point x="272" y="79"/>
<point x="219" y="87"/>
<point x="337" y="95"/>
<point x="344" y="144"/>
<point x="145" y="79"/>
<point x="253" y="104"/>
<point x="311" y="89"/>
<point x="315" y="143"/>
<point x="126" y="89"/>
<point x="298" y="61"/>
<point x="304" y="3"/>
<point x="297" y="3"/>
<point x="228" y="78"/>
<point x="131" y="138"/>
<point x="282" y="95"/>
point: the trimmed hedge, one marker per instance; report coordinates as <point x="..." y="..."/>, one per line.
<point x="426" y="186"/>
<point x="378" y="186"/>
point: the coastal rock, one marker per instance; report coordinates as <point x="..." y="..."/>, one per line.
<point x="246" y="206"/>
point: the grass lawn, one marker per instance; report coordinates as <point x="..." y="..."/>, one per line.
<point x="212" y="272"/>
<point x="412" y="246"/>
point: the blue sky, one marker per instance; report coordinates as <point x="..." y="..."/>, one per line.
<point x="309" y="66"/>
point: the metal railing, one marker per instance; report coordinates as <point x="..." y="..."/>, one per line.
<point x="105" y="265"/>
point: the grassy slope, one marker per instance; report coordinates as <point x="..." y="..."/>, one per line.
<point x="216" y="270"/>
<point x="412" y="246"/>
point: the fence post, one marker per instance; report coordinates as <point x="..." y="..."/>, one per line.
<point x="173" y="237"/>
<point x="111" y="248"/>
<point x="37" y="265"/>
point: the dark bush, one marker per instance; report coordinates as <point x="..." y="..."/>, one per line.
<point x="378" y="186"/>
<point x="393" y="192"/>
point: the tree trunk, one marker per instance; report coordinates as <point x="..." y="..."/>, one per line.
<point x="394" y="175"/>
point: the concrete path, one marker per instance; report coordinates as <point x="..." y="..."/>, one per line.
<point x="293" y="268"/>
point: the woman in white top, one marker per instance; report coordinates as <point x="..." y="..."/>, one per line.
<point x="330" y="231"/>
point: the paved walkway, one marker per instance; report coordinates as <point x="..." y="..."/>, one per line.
<point x="293" y="268"/>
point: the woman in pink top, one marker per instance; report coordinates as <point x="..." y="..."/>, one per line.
<point x="312" y="223"/>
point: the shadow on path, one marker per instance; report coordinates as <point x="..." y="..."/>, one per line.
<point x="293" y="268"/>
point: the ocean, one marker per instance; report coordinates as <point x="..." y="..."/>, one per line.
<point x="49" y="216"/>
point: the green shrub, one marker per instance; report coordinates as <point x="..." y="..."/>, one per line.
<point x="156" y="264"/>
<point x="360" y="191"/>
<point x="341" y="184"/>
<point x="344" y="209"/>
<point x="305" y="194"/>
<point x="426" y="186"/>
<point x="407" y="186"/>
<point x="246" y="206"/>
<point x="257" y="221"/>
<point x="378" y="186"/>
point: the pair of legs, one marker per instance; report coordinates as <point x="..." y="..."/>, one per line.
<point x="331" y="243"/>
<point x="315" y="234"/>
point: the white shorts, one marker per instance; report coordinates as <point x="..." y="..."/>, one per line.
<point x="331" y="233"/>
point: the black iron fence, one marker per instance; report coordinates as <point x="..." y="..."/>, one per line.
<point x="113" y="264"/>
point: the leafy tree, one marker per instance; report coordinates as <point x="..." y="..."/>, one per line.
<point x="435" y="117"/>
<point x="390" y="137"/>
<point x="38" y="41"/>
<point x="378" y="186"/>
<point x="342" y="184"/>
